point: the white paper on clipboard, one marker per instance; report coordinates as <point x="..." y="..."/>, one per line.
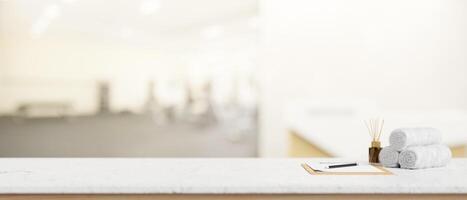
<point x="360" y="168"/>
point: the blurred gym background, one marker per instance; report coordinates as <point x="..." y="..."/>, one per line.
<point x="227" y="78"/>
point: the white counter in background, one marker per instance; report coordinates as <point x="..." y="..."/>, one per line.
<point x="339" y="130"/>
<point x="213" y="176"/>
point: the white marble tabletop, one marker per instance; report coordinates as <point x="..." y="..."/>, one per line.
<point x="212" y="176"/>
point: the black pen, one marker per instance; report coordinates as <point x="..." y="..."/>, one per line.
<point x="342" y="165"/>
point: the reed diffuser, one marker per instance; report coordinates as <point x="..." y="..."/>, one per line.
<point x="375" y="128"/>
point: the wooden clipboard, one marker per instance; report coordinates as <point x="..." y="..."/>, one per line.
<point x="313" y="172"/>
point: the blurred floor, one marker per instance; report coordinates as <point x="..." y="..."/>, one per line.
<point x="120" y="136"/>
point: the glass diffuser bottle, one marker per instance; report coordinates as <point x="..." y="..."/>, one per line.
<point x="375" y="128"/>
<point x="373" y="152"/>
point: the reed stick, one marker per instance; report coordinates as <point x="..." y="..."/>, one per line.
<point x="375" y="128"/>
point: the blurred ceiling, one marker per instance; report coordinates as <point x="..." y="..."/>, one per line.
<point x="122" y="17"/>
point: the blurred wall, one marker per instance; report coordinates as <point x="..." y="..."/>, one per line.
<point x="68" y="69"/>
<point x="397" y="54"/>
<point x="68" y="60"/>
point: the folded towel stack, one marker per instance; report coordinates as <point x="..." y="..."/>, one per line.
<point x="415" y="148"/>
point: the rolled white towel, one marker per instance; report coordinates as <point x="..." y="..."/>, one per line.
<point x="406" y="137"/>
<point x="419" y="157"/>
<point x="389" y="157"/>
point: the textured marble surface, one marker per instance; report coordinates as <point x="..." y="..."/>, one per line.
<point x="212" y="176"/>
